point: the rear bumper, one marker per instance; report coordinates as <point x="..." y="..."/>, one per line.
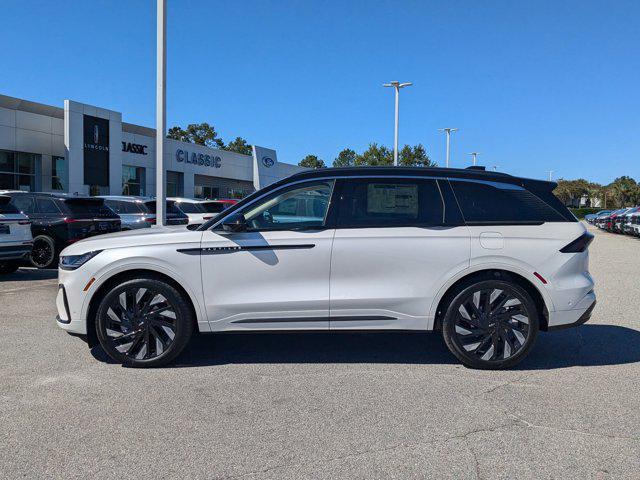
<point x="574" y="317"/>
<point x="15" y="252"/>
<point x="584" y="318"/>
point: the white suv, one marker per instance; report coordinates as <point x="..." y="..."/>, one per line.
<point x="15" y="236"/>
<point x="486" y="258"/>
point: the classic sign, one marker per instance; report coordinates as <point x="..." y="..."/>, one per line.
<point x="134" y="148"/>
<point x="198" y="159"/>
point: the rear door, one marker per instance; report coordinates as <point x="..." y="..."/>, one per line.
<point x="395" y="245"/>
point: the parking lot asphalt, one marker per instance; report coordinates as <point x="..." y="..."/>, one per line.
<point x="322" y="405"/>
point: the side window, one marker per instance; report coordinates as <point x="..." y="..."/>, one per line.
<point x="298" y="207"/>
<point x="485" y="203"/>
<point x="390" y="203"/>
<point x="24" y="203"/>
<point x="46" y="205"/>
<point x="114" y="205"/>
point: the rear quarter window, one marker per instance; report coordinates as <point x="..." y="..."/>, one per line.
<point x="486" y="203"/>
<point x="47" y="206"/>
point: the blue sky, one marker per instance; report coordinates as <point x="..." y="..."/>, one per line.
<point x="533" y="86"/>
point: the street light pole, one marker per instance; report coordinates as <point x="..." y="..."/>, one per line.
<point x="550" y="172"/>
<point x="397" y="85"/>
<point x="448" y="131"/>
<point x="475" y="157"/>
<point x="161" y="108"/>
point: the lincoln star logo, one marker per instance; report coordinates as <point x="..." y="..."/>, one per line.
<point x="268" y="162"/>
<point x="96" y="134"/>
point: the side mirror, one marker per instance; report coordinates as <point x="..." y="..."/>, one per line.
<point x="235" y="223"/>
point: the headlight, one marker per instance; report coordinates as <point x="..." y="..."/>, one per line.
<point x="72" y="262"/>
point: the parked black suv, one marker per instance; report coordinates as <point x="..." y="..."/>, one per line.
<point x="58" y="220"/>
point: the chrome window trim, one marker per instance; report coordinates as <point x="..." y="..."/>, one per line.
<point x="335" y="178"/>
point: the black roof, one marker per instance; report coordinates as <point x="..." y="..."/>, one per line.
<point x="467" y="173"/>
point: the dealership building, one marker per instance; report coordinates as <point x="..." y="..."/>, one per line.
<point x="84" y="149"/>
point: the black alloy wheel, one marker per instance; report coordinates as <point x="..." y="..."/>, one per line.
<point x="491" y="324"/>
<point x="144" y="322"/>
<point x="43" y="253"/>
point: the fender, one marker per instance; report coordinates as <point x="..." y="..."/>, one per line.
<point x="491" y="265"/>
<point x="142" y="263"/>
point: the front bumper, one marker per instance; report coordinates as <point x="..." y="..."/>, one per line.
<point x="70" y="298"/>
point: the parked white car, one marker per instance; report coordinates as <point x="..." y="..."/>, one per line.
<point x="200" y="211"/>
<point x="15" y="236"/>
<point x="486" y="258"/>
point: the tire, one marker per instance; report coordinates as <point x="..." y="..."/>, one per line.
<point x="43" y="253"/>
<point x="130" y="311"/>
<point x="493" y="341"/>
<point x="9" y="266"/>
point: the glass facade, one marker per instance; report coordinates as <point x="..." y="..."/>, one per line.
<point x="175" y="184"/>
<point x="133" y="180"/>
<point x="205" y="192"/>
<point x="59" y="174"/>
<point x="19" y="171"/>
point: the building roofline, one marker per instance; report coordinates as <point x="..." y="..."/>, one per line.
<point x="138" y="129"/>
<point x="13" y="103"/>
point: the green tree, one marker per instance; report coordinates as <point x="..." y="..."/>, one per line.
<point x="346" y="158"/>
<point x="312" y="161"/>
<point x="415" y="156"/>
<point x="571" y="191"/>
<point x="239" y="145"/>
<point x="375" y="156"/>
<point x="624" y="191"/>
<point x="199" y="133"/>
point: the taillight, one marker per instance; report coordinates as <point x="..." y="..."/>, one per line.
<point x="207" y="217"/>
<point x="580" y="244"/>
<point x="24" y="222"/>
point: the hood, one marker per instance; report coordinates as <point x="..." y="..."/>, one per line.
<point x="134" y="238"/>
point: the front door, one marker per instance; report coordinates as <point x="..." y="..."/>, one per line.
<point x="275" y="273"/>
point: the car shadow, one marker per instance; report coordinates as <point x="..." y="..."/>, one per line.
<point x="588" y="345"/>
<point x="28" y="274"/>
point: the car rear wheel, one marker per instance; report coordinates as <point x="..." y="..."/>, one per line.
<point x="43" y="254"/>
<point x="144" y="322"/>
<point x="491" y="324"/>
<point x="9" y="266"/>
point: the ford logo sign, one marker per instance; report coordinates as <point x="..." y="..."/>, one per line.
<point x="268" y="162"/>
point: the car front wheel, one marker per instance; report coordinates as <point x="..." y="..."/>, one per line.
<point x="144" y="322"/>
<point x="491" y="324"/>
